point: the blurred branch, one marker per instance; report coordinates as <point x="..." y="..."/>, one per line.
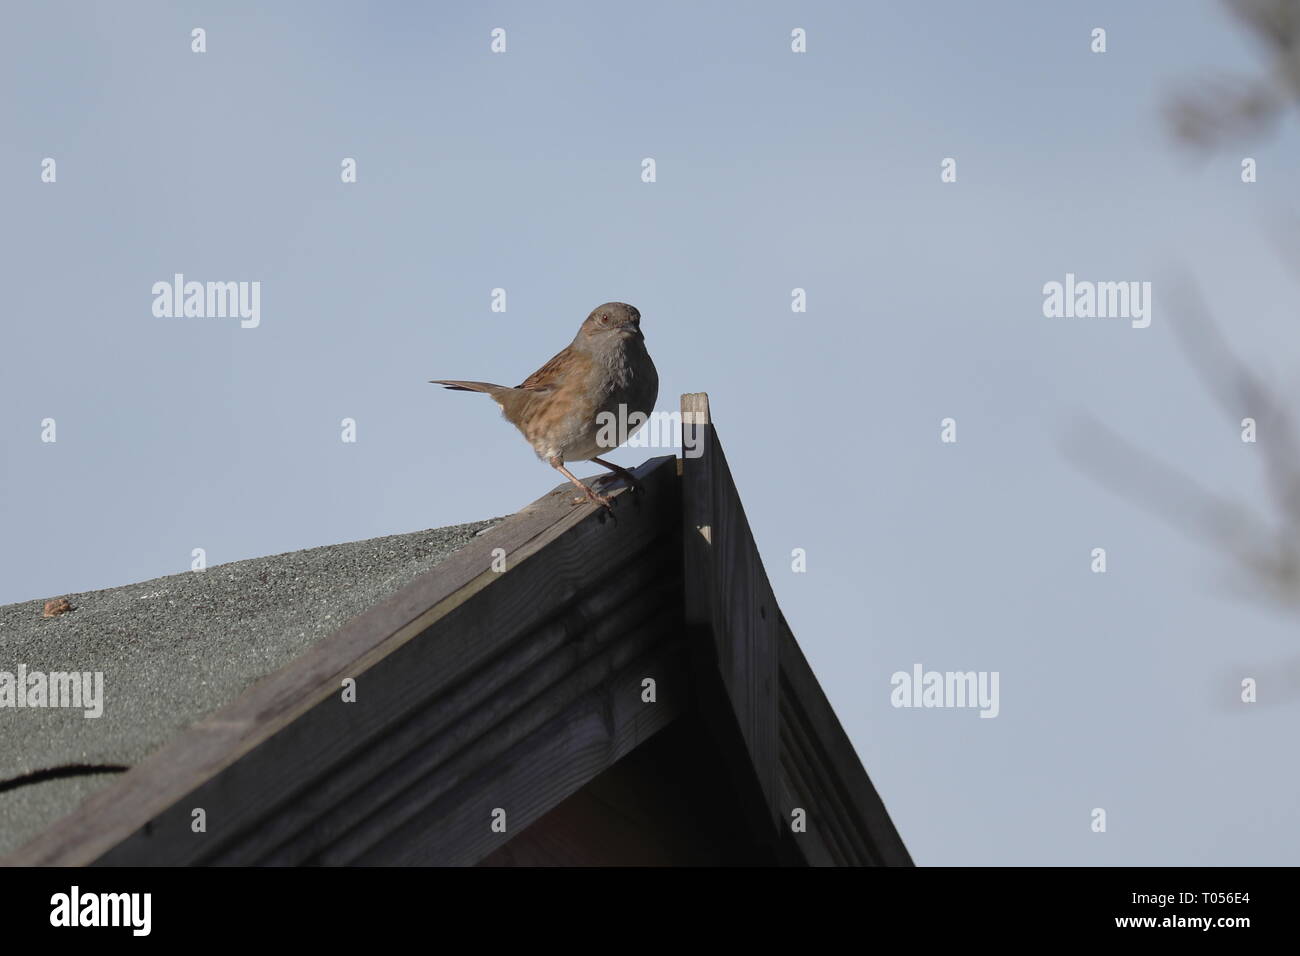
<point x="1236" y="107"/>
<point x="1269" y="558"/>
<point x="1267" y="549"/>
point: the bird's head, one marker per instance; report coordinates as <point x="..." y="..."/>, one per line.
<point x="612" y="320"/>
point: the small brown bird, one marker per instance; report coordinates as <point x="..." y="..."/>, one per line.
<point x="564" y="408"/>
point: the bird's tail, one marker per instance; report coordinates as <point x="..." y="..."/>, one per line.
<point x="511" y="400"/>
<point x="467" y="386"/>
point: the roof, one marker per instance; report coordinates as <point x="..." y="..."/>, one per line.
<point x="566" y="685"/>
<point x="176" y="648"/>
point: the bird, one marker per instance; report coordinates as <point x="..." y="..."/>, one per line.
<point x="563" y="409"/>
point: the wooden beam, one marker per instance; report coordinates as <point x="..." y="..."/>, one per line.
<point x="799" y="757"/>
<point x="729" y="606"/>
<point x="847" y="822"/>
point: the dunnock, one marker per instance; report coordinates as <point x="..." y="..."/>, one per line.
<point x="605" y="369"/>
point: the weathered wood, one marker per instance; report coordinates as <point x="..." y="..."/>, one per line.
<point x="536" y="775"/>
<point x="728" y="602"/>
<point x="447" y="698"/>
<point x="824" y="775"/>
<point x="798" y="753"/>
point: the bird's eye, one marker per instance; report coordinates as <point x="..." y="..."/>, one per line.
<point x="604" y="320"/>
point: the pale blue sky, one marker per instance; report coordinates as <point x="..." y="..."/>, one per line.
<point x="775" y="171"/>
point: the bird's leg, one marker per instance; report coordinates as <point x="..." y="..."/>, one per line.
<point x="587" y="491"/>
<point x="619" y="472"/>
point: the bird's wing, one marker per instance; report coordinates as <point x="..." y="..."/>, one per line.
<point x="564" y="365"/>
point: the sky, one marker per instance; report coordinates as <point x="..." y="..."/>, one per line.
<point x="774" y="170"/>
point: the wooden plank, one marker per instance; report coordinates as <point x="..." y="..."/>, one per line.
<point x="151" y="791"/>
<point x="451" y="723"/>
<point x="823" y="767"/>
<point x="536" y="775"/>
<point x="465" y="751"/>
<point x="729" y="605"/>
<point x="799" y="753"/>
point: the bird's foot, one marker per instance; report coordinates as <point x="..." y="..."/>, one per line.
<point x="594" y="497"/>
